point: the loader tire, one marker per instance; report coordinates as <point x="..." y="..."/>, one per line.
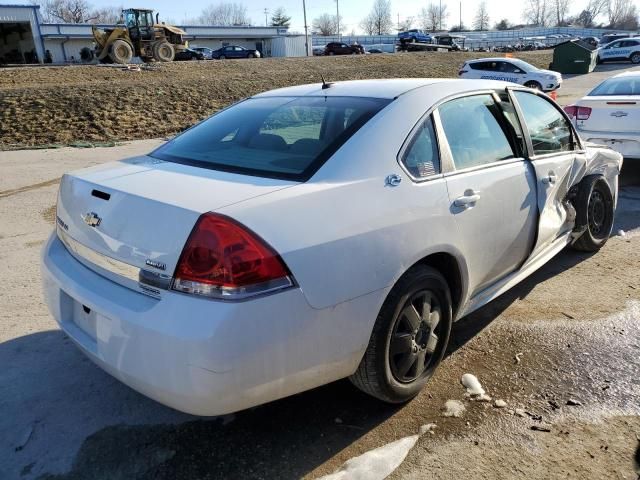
<point x="121" y="52"/>
<point x="163" y="52"/>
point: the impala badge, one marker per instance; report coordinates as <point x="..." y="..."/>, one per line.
<point x="619" y="114"/>
<point x="154" y="264"/>
<point x="92" y="219"/>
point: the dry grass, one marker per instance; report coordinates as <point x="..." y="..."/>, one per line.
<point x="63" y="105"/>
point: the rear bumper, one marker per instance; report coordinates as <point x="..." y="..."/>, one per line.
<point x="627" y="144"/>
<point x="201" y="356"/>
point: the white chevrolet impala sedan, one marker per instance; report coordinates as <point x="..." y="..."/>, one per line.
<point x="319" y="232"/>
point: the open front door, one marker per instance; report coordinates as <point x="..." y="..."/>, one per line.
<point x="552" y="148"/>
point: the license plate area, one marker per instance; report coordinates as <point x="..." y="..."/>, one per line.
<point x="85" y="319"/>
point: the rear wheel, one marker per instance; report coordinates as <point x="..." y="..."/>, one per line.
<point x="331" y="53"/>
<point x="595" y="211"/>
<point x="163" y="52"/>
<point x="121" y="52"/>
<point x="222" y="57"/>
<point x="635" y="58"/>
<point x="250" y="55"/>
<point x="409" y="337"/>
<point x="533" y="84"/>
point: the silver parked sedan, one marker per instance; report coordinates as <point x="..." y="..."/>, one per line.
<point x="319" y="232"/>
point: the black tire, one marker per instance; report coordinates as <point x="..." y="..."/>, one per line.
<point x="251" y="55"/>
<point x="383" y="371"/>
<point x="120" y="51"/>
<point x="163" y="52"/>
<point x="533" y="84"/>
<point x="594" y="213"/>
<point x="221" y="57"/>
<point x="635" y="57"/>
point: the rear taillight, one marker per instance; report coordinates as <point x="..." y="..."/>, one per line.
<point x="224" y="259"/>
<point x="577" y="112"/>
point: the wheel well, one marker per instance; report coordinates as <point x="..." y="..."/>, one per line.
<point x="448" y="266"/>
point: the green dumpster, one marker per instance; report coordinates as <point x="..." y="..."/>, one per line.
<point x="574" y="56"/>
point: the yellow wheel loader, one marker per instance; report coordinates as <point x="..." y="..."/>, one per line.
<point x="138" y="36"/>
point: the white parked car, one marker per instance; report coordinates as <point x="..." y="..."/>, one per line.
<point x="319" y="232"/>
<point x="626" y="49"/>
<point x="610" y="114"/>
<point x="511" y="70"/>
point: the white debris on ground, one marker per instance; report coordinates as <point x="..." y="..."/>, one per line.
<point x="429" y="427"/>
<point x="499" y="404"/>
<point x="474" y="388"/>
<point x="375" y="464"/>
<point x="621" y="233"/>
<point x="472" y="384"/>
<point x="453" y="408"/>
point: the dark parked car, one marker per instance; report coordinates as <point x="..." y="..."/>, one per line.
<point x="339" y="48"/>
<point x="375" y="50"/>
<point x="207" y="52"/>
<point x="189" y="54"/>
<point x="234" y="51"/>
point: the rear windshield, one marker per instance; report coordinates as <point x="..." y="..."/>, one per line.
<point x="276" y="137"/>
<point x="618" y="86"/>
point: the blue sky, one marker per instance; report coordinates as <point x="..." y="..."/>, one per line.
<point x="352" y="11"/>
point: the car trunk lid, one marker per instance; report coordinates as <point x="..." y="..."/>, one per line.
<point x="137" y="214"/>
<point x="611" y="114"/>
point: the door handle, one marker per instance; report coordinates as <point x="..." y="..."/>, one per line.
<point x="468" y="199"/>
<point x="550" y="179"/>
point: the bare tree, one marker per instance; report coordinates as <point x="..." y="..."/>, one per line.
<point x="224" y="14"/>
<point x="537" y="12"/>
<point x="623" y="14"/>
<point x="405" y="24"/>
<point x="107" y="15"/>
<point x="481" y="20"/>
<point x="378" y="21"/>
<point x="67" y="11"/>
<point x="325" y="24"/>
<point x="560" y="9"/>
<point x="434" y="17"/>
<point x="502" y="25"/>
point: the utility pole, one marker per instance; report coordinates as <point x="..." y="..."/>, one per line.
<point x="460" y="25"/>
<point x="266" y="12"/>
<point x="306" y="35"/>
<point x="338" y="17"/>
<point x="440" y="17"/>
<point x="398" y="21"/>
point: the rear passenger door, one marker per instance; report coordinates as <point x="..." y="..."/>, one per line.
<point x="552" y="148"/>
<point x="492" y="188"/>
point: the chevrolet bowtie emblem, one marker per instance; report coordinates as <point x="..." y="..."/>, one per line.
<point x="92" y="219"/>
<point x="619" y="114"/>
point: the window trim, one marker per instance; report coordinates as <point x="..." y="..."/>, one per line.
<point x="447" y="166"/>
<point x="408" y="142"/>
<point x="530" y="153"/>
<point x="501" y="122"/>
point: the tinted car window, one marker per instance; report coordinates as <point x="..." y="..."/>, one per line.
<point x="549" y="130"/>
<point x="277" y="137"/>
<point x="474" y="132"/>
<point x="491" y="66"/>
<point x="421" y="157"/>
<point x="509" y="68"/>
<point x="618" y="86"/>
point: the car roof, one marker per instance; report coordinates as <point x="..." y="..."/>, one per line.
<point x="385" y="88"/>
<point x="492" y="59"/>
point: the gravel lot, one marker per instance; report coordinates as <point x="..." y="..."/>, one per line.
<point x="105" y="103"/>
<point x="570" y="333"/>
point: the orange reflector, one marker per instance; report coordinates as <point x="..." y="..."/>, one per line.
<point x="508" y="55"/>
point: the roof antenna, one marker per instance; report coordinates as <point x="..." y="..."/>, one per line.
<point x="325" y="85"/>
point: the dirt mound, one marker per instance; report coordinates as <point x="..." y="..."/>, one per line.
<point x="62" y="105"/>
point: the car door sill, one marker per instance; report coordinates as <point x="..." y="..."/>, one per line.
<point x="531" y="265"/>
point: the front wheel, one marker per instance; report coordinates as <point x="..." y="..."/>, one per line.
<point x="251" y="55"/>
<point x="594" y="213"/>
<point x="163" y="52"/>
<point x="534" y="85"/>
<point x="409" y="338"/>
<point x="222" y="57"/>
<point x="635" y="58"/>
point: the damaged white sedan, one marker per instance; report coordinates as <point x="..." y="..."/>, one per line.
<point x="319" y="232"/>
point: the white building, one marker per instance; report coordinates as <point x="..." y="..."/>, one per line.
<point x="24" y="38"/>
